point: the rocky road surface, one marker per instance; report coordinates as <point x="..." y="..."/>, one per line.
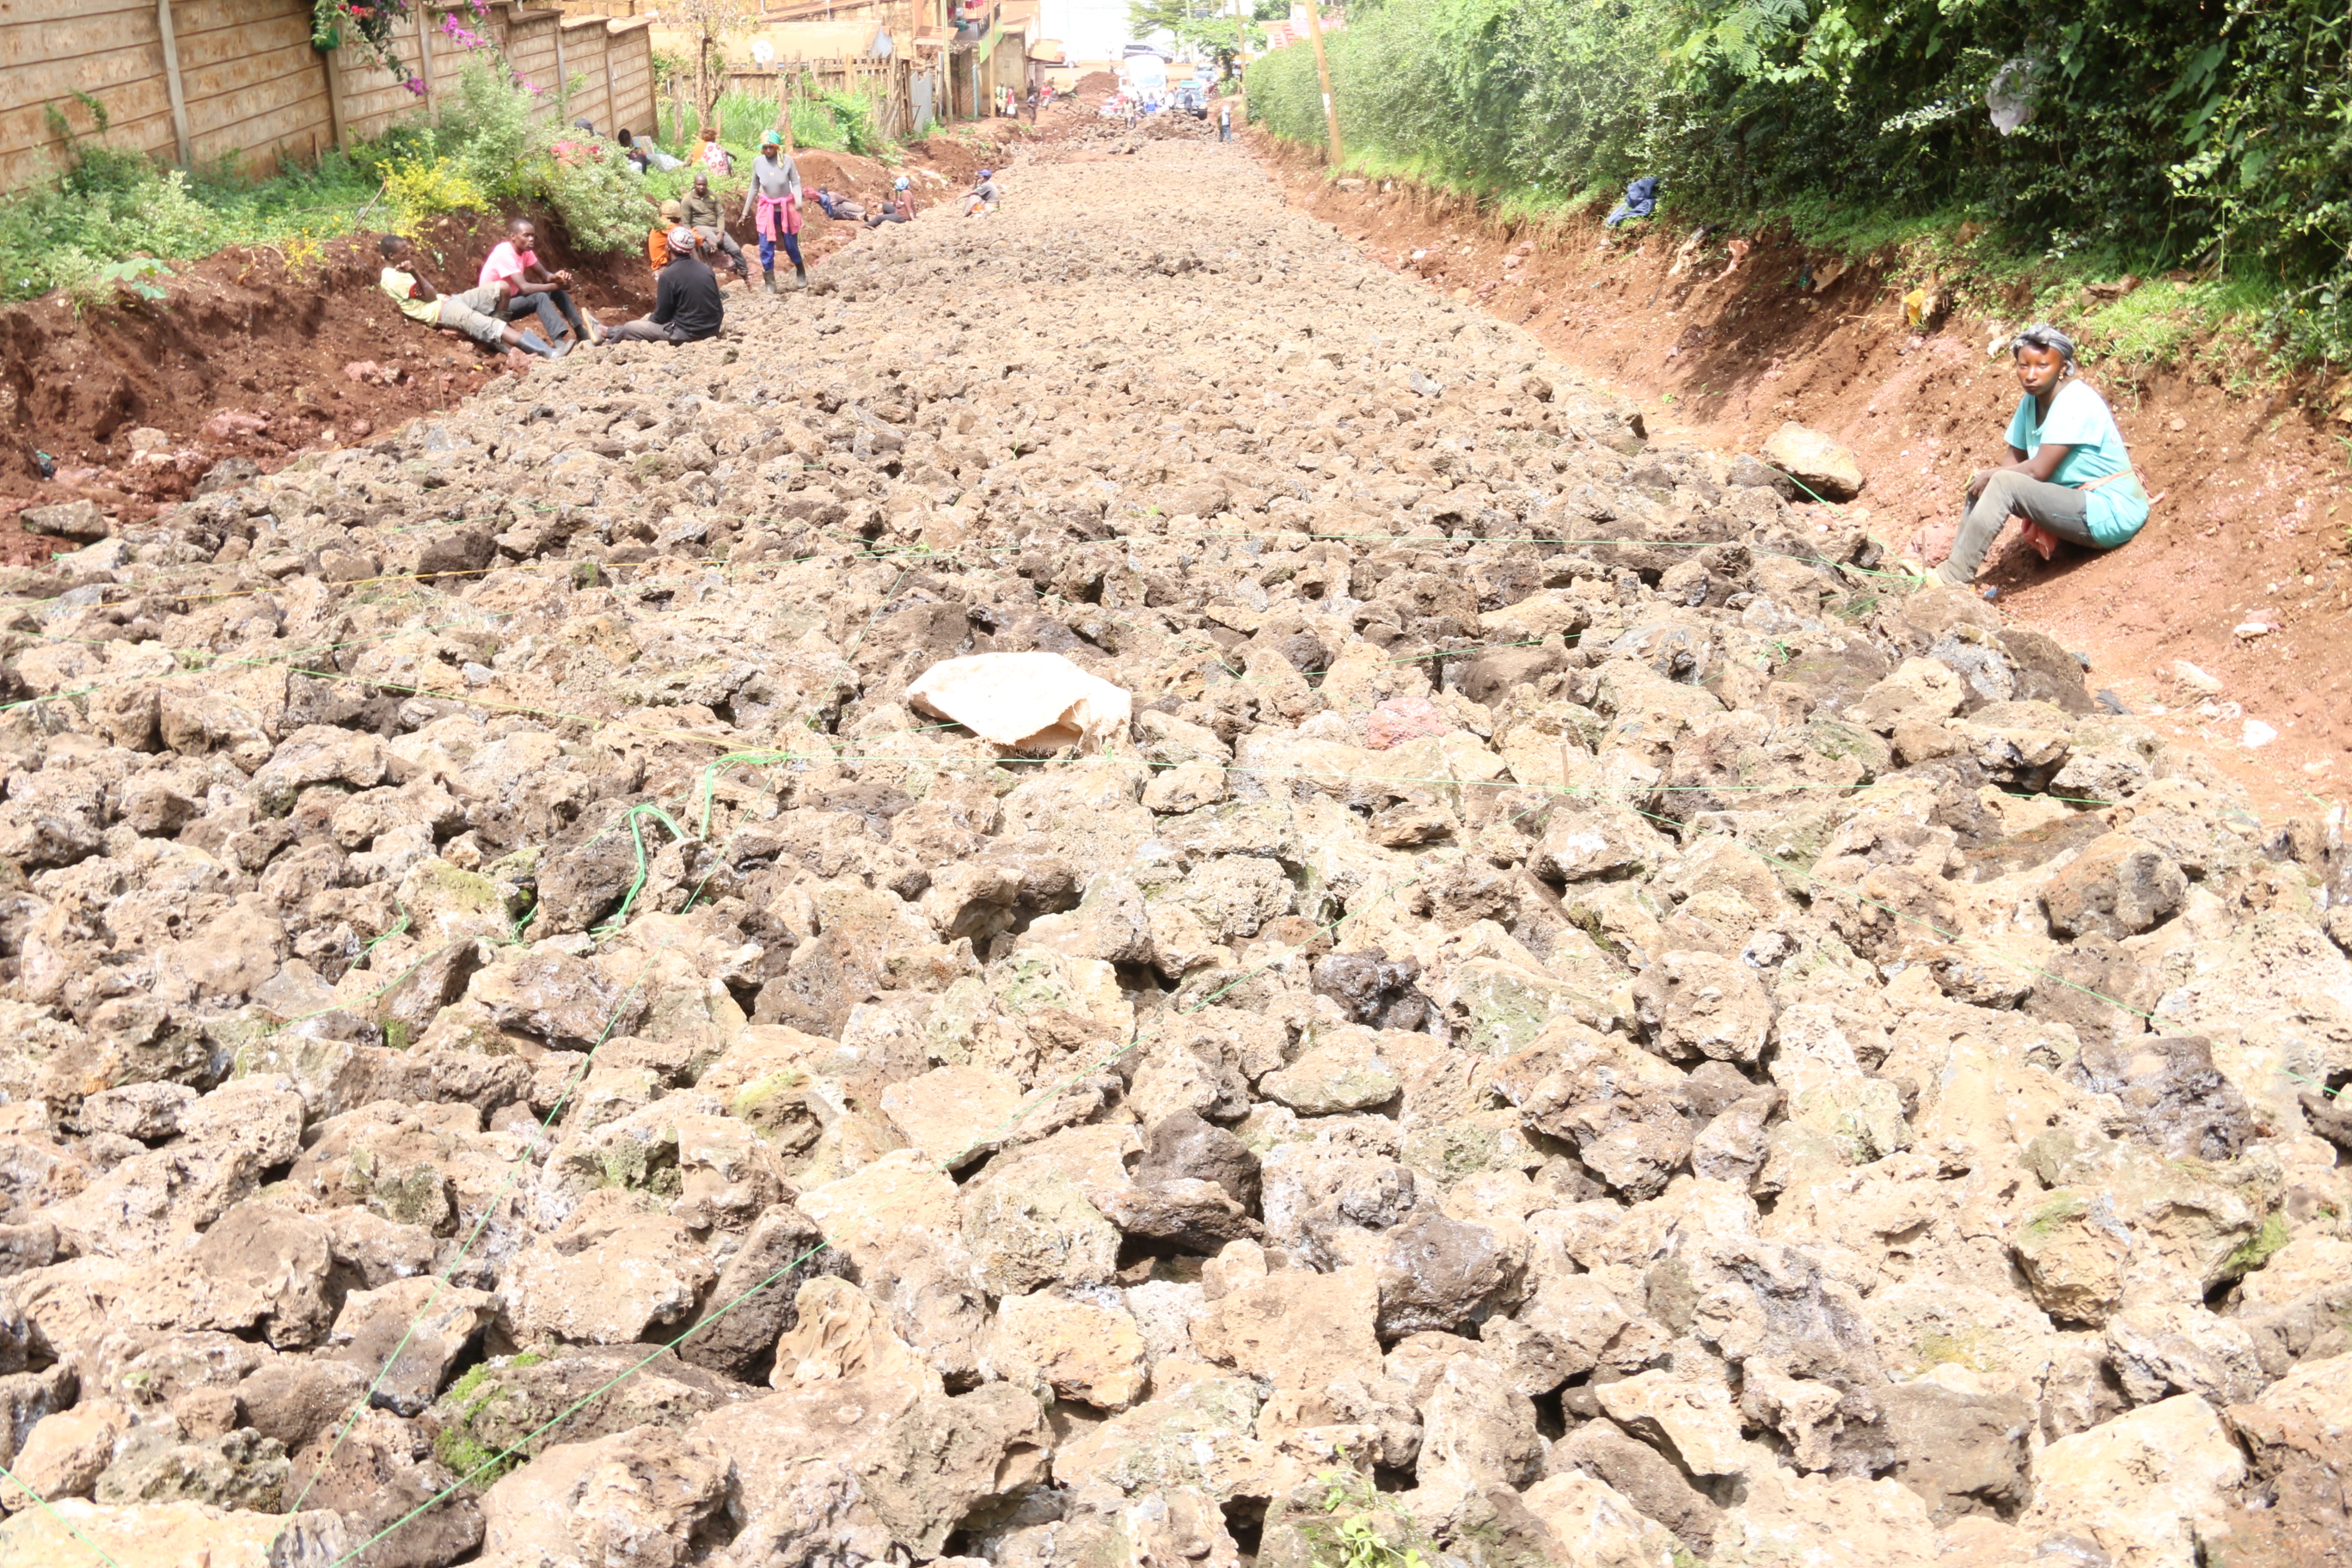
<point x="1576" y="1024"/>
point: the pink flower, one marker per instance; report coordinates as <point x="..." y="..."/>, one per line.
<point x="414" y="85"/>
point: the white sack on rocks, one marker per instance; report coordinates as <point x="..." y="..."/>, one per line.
<point x="1033" y="701"/>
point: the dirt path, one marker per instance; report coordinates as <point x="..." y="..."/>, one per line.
<point x="2253" y="527"/>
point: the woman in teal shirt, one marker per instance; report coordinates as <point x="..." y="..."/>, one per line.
<point x="2068" y="472"/>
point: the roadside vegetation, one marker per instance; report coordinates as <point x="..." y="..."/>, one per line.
<point x="101" y="226"/>
<point x="2205" y="151"/>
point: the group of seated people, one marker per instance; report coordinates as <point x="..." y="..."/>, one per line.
<point x="514" y="285"/>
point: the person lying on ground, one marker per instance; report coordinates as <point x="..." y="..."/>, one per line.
<point x="2069" y="474"/>
<point x="775" y="193"/>
<point x="687" y="307"/>
<point x="703" y="215"/>
<point x="476" y="312"/>
<point x="644" y="153"/>
<point x="840" y="208"/>
<point x="530" y="287"/>
<point x="891" y="212"/>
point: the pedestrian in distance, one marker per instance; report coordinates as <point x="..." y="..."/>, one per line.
<point x="686" y="306"/>
<point x="478" y="312"/>
<point x="2069" y="475"/>
<point x="775" y="194"/>
<point x="531" y="289"/>
<point x="1224" y="122"/>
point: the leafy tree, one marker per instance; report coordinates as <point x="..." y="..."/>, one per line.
<point x="711" y="22"/>
<point x="1203" y="24"/>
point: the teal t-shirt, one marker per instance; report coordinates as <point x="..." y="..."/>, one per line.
<point x="2080" y="418"/>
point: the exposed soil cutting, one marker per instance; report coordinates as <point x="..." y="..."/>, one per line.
<point x="247" y="359"/>
<point x="2251" y="525"/>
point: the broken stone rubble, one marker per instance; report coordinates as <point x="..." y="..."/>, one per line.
<point x="1568" y="1024"/>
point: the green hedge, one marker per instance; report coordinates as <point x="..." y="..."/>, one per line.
<point x="2163" y="135"/>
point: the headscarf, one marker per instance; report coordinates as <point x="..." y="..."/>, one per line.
<point x="771" y="139"/>
<point x="673" y="210"/>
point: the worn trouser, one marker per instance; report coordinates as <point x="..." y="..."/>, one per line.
<point x="646" y="330"/>
<point x="2009" y="493"/>
<point x="554" y="309"/>
<point x="1225" y="131"/>
<point x="778" y="220"/>
<point x="724" y="242"/>
<point x="478" y="313"/>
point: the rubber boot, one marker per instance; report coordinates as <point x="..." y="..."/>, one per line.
<point x="799" y="274"/>
<point x="769" y="273"/>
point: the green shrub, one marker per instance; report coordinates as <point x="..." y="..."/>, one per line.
<point x="2161" y="137"/>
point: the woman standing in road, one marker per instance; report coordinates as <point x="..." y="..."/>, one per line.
<point x="2069" y="475"/>
<point x="776" y="192"/>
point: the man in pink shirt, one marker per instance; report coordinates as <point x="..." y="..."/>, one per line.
<point x="530" y="287"/>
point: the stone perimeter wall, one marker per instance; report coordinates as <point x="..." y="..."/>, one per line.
<point x="253" y="89"/>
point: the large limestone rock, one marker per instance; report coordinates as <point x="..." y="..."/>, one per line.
<point x="2151" y="1489"/>
<point x="1815" y="461"/>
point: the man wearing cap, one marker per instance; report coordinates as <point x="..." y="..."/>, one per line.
<point x="776" y="194"/>
<point x="687" y="307"/>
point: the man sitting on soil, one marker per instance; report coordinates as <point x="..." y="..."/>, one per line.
<point x="687" y="307"/>
<point x="478" y="313"/>
<point x="2069" y="476"/>
<point x="658" y="238"/>
<point x="514" y="266"/>
<point x="982" y="198"/>
<point x="700" y="209"/>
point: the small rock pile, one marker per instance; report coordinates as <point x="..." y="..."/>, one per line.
<point x="1578" y="1023"/>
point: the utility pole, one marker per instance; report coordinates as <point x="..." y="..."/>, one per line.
<point x="1241" y="45"/>
<point x="1323" y="70"/>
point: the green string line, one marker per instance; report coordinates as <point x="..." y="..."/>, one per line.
<point x="43" y="1503"/>
<point x="1043" y="1097"/>
<point x="572" y="1080"/>
<point x="441" y="1283"/>
<point x="868" y="548"/>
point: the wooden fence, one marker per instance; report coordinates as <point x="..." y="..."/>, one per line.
<point x="236" y="82"/>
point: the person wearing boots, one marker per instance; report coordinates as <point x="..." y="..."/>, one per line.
<point x="776" y="194"/>
<point x="703" y="215"/>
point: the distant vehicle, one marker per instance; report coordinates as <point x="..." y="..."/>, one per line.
<point x="1192" y="100"/>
